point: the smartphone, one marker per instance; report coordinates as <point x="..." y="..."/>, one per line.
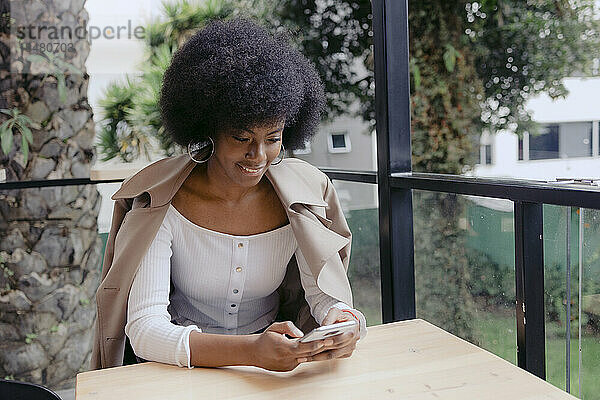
<point x="327" y="331"/>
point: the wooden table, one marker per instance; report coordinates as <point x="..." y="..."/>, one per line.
<point x="404" y="360"/>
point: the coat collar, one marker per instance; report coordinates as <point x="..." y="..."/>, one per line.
<point x="162" y="179"/>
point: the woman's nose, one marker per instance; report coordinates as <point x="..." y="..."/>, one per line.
<point x="256" y="152"/>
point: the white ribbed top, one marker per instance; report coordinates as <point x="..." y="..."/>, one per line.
<point x="222" y="283"/>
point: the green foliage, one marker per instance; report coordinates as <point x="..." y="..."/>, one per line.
<point x="450" y="56"/>
<point x="336" y="36"/>
<point x="490" y="281"/>
<point x="30" y="337"/>
<point x="20" y="123"/>
<point x="131" y="121"/>
<point x="444" y="108"/>
<point x="183" y="19"/>
<point x="119" y="135"/>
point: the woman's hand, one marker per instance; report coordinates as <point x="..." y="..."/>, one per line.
<point x="275" y="352"/>
<point x="343" y="345"/>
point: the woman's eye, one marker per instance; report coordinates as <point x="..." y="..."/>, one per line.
<point x="240" y="139"/>
<point x="274" y="140"/>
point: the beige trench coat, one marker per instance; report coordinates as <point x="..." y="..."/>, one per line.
<point x="313" y="210"/>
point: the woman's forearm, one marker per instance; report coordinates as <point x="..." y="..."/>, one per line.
<point x="211" y="350"/>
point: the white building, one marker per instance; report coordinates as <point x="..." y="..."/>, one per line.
<point x="568" y="143"/>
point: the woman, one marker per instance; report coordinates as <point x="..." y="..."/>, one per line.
<point x="227" y="223"/>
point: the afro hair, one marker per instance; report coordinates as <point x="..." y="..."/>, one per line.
<point x="235" y="74"/>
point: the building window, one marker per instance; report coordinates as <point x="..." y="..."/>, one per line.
<point x="488" y="154"/>
<point x="575" y="139"/>
<point x="485" y="154"/>
<point x="339" y="142"/>
<point x="545" y="145"/>
<point x="565" y="140"/>
<point x="520" y="148"/>
<point x="305" y="150"/>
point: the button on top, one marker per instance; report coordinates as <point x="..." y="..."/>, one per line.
<point x="235" y="291"/>
<point x="233" y="305"/>
<point x="238" y="269"/>
<point x="240" y="245"/>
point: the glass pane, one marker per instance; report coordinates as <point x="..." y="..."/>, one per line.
<point x="561" y="319"/>
<point x="589" y="325"/>
<point x="339" y="141"/>
<point x="464" y="268"/>
<point x="555" y="290"/>
<point x="106" y="190"/>
<point x="488" y="154"/>
<point x="359" y="202"/>
<point x="576" y="139"/>
<point x="545" y="145"/>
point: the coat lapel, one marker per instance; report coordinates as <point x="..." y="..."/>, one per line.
<point x="305" y="208"/>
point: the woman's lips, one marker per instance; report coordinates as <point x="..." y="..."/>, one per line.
<point x="250" y="171"/>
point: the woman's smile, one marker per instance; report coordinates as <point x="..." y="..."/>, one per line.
<point x="250" y="171"/>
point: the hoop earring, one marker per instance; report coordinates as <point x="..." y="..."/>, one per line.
<point x="282" y="152"/>
<point x="201" y="148"/>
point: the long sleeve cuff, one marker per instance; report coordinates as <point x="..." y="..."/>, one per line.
<point x="362" y="321"/>
<point x="183" y="351"/>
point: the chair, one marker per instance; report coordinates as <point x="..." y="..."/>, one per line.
<point x="14" y="390"/>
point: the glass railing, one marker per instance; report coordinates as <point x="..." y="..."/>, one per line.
<point x="465" y="268"/>
<point x="359" y="202"/>
<point x="572" y="299"/>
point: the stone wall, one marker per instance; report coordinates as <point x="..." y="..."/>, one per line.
<point x="49" y="244"/>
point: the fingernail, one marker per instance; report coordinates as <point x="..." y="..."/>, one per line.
<point x="328" y="342"/>
<point x="301" y="360"/>
<point x="299" y="333"/>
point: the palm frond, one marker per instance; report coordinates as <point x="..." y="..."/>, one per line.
<point x="131" y="112"/>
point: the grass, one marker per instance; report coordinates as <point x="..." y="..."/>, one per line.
<point x="497" y="335"/>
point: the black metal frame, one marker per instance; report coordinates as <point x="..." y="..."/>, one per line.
<point x="392" y="98"/>
<point x="511" y="189"/>
<point x="529" y="279"/>
<point x="396" y="181"/>
<point x="53" y="183"/>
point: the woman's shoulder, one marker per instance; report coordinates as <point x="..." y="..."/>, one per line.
<point x="158" y="179"/>
<point x="304" y="169"/>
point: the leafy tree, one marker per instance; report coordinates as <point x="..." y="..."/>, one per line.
<point x="337" y="37"/>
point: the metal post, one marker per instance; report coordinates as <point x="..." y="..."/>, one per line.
<point x="568" y="331"/>
<point x="392" y="99"/>
<point x="581" y="212"/>
<point x="529" y="277"/>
